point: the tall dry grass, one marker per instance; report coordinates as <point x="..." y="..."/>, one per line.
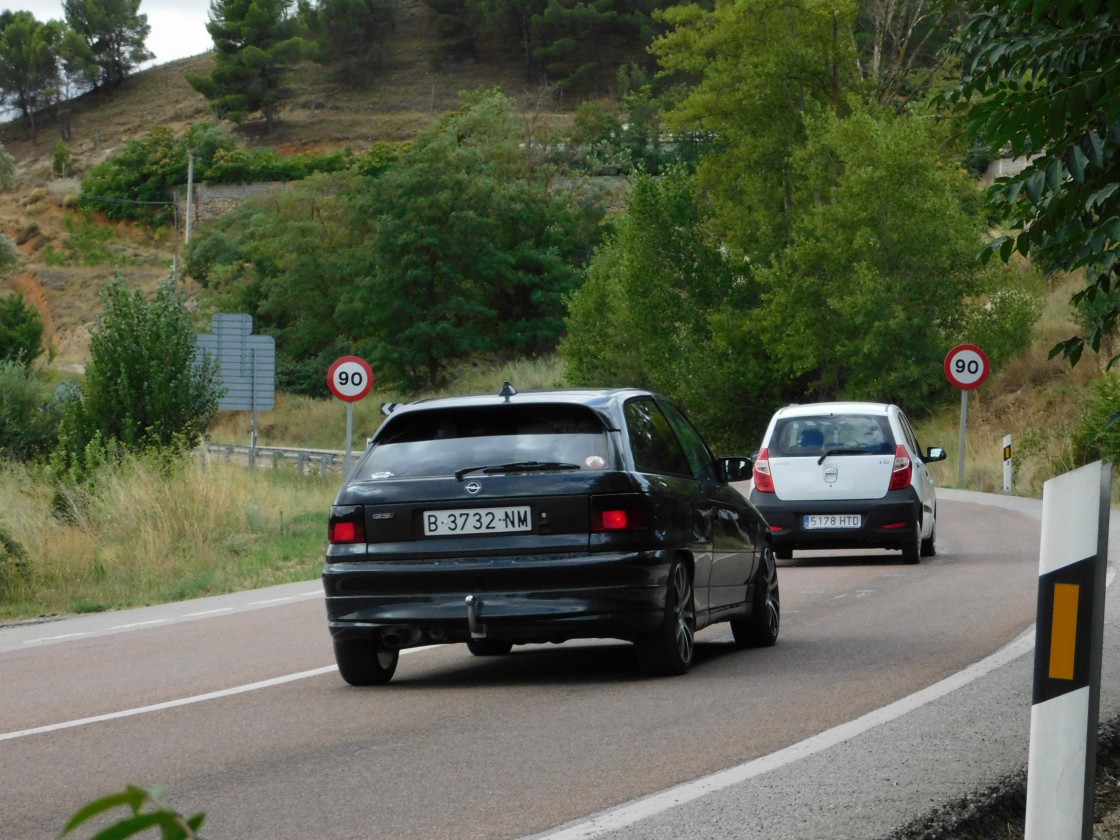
<point x="149" y="533"/>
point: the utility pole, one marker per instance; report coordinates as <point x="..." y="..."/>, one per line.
<point x="190" y="196"/>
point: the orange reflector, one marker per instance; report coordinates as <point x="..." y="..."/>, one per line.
<point x="1063" y="633"/>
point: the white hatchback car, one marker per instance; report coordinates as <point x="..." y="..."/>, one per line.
<point x="846" y="475"/>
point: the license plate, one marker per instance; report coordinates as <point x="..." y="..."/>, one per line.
<point x="831" y="520"/>
<point x="496" y="520"/>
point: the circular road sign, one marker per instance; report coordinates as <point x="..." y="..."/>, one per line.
<point x="967" y="366"/>
<point x="350" y="378"/>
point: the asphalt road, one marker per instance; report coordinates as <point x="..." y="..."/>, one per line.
<point x="232" y="704"/>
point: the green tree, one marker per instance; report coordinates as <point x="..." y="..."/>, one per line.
<point x="143" y="387"/>
<point x="660" y="308"/>
<point x="138" y="182"/>
<point x="28" y="64"/>
<point x="286" y="258"/>
<point x="114" y="32"/>
<point x="881" y="257"/>
<point x="1043" y="80"/>
<point x="255" y="45"/>
<point x="472" y="253"/>
<point x="352" y="36"/>
<point x="759" y="70"/>
<point x="512" y="20"/>
<point x="21" y="326"/>
<point x="658" y="278"/>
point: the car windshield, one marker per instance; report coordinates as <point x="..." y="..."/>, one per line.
<point x="813" y="436"/>
<point x="444" y="442"/>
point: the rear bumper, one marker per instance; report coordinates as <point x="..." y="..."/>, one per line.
<point x="890" y="522"/>
<point x="537" y="598"/>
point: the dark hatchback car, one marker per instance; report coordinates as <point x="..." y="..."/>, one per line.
<point x="542" y="517"/>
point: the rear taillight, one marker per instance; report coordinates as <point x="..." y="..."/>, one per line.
<point x="902" y="471"/>
<point x="763" y="480"/>
<point x="346" y="526"/>
<point x="618" y="519"/>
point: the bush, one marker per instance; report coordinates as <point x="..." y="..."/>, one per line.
<point x="28" y="414"/>
<point x="14" y="568"/>
<point x="143" y="387"/>
<point x="21" y="330"/>
<point x="1098" y="435"/>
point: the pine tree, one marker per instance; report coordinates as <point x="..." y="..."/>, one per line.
<point x="255" y="43"/>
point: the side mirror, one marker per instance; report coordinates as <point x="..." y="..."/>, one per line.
<point x="737" y="468"/>
<point x="936" y="453"/>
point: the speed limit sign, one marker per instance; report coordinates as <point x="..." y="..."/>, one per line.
<point x="967" y="366"/>
<point x="350" y="378"/>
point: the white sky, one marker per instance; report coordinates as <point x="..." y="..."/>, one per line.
<point x="178" y="26"/>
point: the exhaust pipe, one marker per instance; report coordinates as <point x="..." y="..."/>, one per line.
<point x="396" y="638"/>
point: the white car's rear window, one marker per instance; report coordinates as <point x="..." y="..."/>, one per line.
<point x="817" y="434"/>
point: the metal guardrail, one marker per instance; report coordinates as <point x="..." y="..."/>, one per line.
<point x="324" y="461"/>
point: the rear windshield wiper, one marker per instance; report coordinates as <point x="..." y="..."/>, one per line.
<point x="842" y="452"/>
<point x="517" y="466"/>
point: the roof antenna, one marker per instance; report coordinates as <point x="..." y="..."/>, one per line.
<point x="507" y="391"/>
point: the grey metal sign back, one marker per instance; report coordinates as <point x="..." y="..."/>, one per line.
<point x="246" y="363"/>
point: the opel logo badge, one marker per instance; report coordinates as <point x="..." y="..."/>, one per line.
<point x="473" y="487"/>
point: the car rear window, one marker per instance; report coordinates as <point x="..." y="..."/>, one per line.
<point x="443" y="441"/>
<point x="815" y="435"/>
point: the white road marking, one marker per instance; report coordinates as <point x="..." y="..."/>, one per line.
<point x="267" y="602"/>
<point x="57" y="638"/>
<point x="634" y="812"/>
<point x="136" y="624"/>
<point x="182" y="701"/>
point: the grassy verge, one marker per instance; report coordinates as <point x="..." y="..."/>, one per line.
<point x="148" y="533"/>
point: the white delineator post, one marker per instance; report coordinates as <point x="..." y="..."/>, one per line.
<point x="1067" y="665"/>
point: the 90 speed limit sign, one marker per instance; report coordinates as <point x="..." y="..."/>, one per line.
<point x="967" y="366"/>
<point x="350" y="378"/>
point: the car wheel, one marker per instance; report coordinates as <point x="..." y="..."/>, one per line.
<point x="783" y="553"/>
<point x="929" y="544"/>
<point x="761" y="628"/>
<point x="912" y="550"/>
<point x="361" y="662"/>
<point x="489" y="647"/>
<point x="668" y="651"/>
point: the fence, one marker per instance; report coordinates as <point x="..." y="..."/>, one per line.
<point x="324" y="461"/>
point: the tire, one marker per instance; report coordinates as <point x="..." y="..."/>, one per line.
<point x="912" y="551"/>
<point x="783" y="553"/>
<point x="489" y="647"/>
<point x="929" y="544"/>
<point x="360" y="662"/>
<point x="761" y="628"/>
<point x="668" y="651"/>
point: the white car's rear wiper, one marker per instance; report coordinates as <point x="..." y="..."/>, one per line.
<point x="517" y="466"/>
<point x="842" y="452"/>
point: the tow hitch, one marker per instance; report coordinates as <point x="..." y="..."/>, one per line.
<point x="474" y="613"/>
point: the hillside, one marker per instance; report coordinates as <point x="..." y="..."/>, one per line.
<point x="408" y="95"/>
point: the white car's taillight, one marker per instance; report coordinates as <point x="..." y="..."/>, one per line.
<point x="763" y="480"/>
<point x="902" y="471"/>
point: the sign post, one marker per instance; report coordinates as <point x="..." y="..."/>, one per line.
<point x="1069" y="638"/>
<point x="966" y="367"/>
<point x="350" y="378"/>
<point x="1007" y="463"/>
<point x="246" y="367"/>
